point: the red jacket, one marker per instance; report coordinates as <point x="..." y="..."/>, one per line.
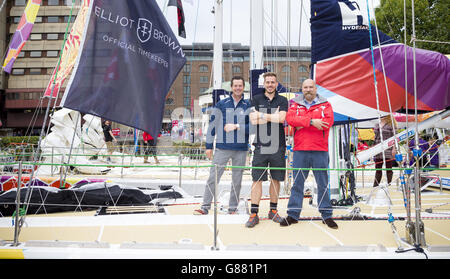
<point x="306" y="136"/>
<point x="146" y="136"/>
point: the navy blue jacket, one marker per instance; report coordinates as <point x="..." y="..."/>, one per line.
<point x="225" y="113"/>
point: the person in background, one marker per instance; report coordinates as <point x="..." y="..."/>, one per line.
<point x="149" y="146"/>
<point x="424" y="146"/>
<point x="389" y="154"/>
<point x="109" y="139"/>
<point x="434" y="152"/>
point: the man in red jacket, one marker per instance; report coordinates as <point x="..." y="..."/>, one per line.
<point x="311" y="116"/>
<point x="149" y="146"/>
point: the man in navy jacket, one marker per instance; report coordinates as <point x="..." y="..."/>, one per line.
<point x="229" y="126"/>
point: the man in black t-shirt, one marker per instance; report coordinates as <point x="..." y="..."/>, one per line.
<point x="269" y="113"/>
<point x="109" y="138"/>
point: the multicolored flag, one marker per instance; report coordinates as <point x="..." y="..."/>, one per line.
<point x="180" y="13"/>
<point x="70" y="52"/>
<point x="129" y="59"/>
<point x="22" y="33"/>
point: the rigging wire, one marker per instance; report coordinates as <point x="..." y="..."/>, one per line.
<point x="3" y="4"/>
<point x="28" y="193"/>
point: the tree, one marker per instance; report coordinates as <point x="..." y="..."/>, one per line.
<point x="431" y="22"/>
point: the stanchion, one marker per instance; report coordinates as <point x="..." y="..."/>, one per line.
<point x="16" y="222"/>
<point x="215" y="248"/>
<point x="180" y="162"/>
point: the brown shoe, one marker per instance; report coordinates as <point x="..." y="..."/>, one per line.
<point x="330" y="223"/>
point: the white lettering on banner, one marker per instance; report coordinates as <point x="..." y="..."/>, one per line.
<point x="158" y="35"/>
<point x="122" y="21"/>
<point x="143" y="27"/>
<point x="153" y="57"/>
<point x="352" y="18"/>
<point x="121" y="44"/>
<point x="132" y="47"/>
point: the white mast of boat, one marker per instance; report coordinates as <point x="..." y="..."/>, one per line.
<point x="218" y="47"/>
<point x="256" y="35"/>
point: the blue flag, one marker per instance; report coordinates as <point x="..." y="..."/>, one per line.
<point x="340" y="26"/>
<point x="129" y="60"/>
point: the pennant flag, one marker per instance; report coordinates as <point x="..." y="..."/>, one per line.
<point x="129" y="59"/>
<point x="22" y="33"/>
<point x="180" y="13"/>
<point x="70" y="52"/>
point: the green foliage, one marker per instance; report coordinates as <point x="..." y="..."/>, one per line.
<point x="431" y="22"/>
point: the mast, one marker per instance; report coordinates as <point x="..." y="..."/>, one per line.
<point x="256" y="35"/>
<point x="218" y="48"/>
<point x="417" y="152"/>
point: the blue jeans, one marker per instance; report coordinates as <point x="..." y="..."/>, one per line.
<point x="310" y="159"/>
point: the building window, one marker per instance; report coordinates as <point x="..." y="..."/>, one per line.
<point x="34" y="37"/>
<point x="167" y="112"/>
<point x="52" y="53"/>
<point x="186" y="79"/>
<point x="187" y="101"/>
<point x="236" y="69"/>
<point x="286" y="69"/>
<point x="38" y="19"/>
<point x="16" y="19"/>
<point x="203" y="89"/>
<point x="187" y="68"/>
<point x="53" y="2"/>
<point x="69" y="2"/>
<point x="170" y="101"/>
<point x="21" y="54"/>
<point x="203" y="79"/>
<point x="286" y="79"/>
<point x="302" y="79"/>
<point x="28" y="96"/>
<point x="52" y="36"/>
<point x="52" y="19"/>
<point x="72" y="19"/>
<point x="18" y="71"/>
<point x="13" y="96"/>
<point x="302" y="69"/>
<point x="186" y="90"/>
<point x="203" y="68"/>
<point x="35" y="71"/>
<point x="35" y="53"/>
<point x="269" y="67"/>
<point x="19" y="2"/>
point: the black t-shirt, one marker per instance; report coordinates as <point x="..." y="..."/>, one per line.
<point x="106" y="129"/>
<point x="264" y="133"/>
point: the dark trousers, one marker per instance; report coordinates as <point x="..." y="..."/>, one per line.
<point x="379" y="173"/>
